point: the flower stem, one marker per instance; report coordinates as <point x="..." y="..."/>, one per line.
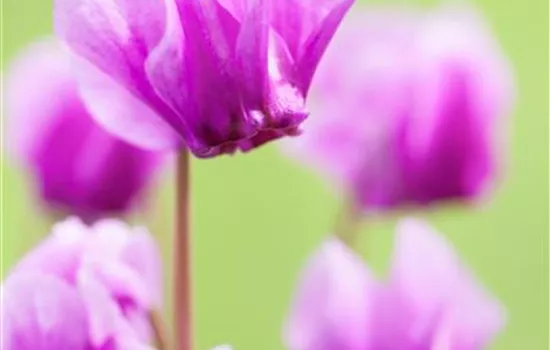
<point x="159" y="330"/>
<point x="183" y="313"/>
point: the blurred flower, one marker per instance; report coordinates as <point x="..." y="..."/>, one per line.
<point x="78" y="166"/>
<point x="431" y="301"/>
<point x="412" y="115"/>
<point x="120" y="263"/>
<point x="215" y="75"/>
<point x="42" y="312"/>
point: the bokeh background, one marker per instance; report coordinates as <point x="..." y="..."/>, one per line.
<point x="257" y="216"/>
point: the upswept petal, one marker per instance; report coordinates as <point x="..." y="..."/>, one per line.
<point x="42" y="312"/>
<point x="112" y="40"/>
<point x="251" y="54"/>
<point x="317" y="42"/>
<point x="122" y="113"/>
<point x="435" y="290"/>
<point x="333" y="302"/>
<point x="116" y="35"/>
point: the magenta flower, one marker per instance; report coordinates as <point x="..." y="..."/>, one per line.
<point x="413" y="116"/>
<point x="430" y="301"/>
<point x="76" y="165"/>
<point x="215" y="75"/>
<point x="122" y="263"/>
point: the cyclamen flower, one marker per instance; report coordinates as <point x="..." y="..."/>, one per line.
<point x="76" y="165"/>
<point x="413" y="115"/>
<point x="106" y="278"/>
<point x="212" y="75"/>
<point x="430" y="301"/>
<point x="43" y="312"/>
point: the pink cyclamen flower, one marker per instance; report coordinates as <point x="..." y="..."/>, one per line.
<point x="42" y="312"/>
<point x="413" y="115"/>
<point x="109" y="274"/>
<point x="77" y="166"/>
<point x="430" y="301"/>
<point x="214" y="75"/>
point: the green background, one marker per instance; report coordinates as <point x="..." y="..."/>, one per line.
<point x="257" y="216"/>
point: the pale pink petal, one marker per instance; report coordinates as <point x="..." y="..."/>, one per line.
<point x="424" y="266"/>
<point x="437" y="293"/>
<point x="41" y="312"/>
<point x="122" y="282"/>
<point x="143" y="255"/>
<point x="106" y="321"/>
<point x="28" y="108"/>
<point x="122" y="113"/>
<point x="474" y="317"/>
<point x="114" y="35"/>
<point x="60" y="253"/>
<point x="333" y="302"/>
<point x="128" y="343"/>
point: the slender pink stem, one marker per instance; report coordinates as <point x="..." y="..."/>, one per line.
<point x="159" y="330"/>
<point x="183" y="312"/>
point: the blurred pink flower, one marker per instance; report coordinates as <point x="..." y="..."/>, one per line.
<point x="215" y="75"/>
<point x="106" y="269"/>
<point x="430" y="301"/>
<point x="42" y="312"/>
<point x="76" y="165"/>
<point x="412" y="116"/>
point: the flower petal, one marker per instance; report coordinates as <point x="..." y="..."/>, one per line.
<point x="332" y="305"/>
<point x="252" y="54"/>
<point x="106" y="320"/>
<point x="41" y="312"/>
<point x="27" y="104"/>
<point x="59" y="254"/>
<point x="131" y="344"/>
<point x="437" y="292"/>
<point x="122" y="282"/>
<point x="474" y="317"/>
<point x="112" y="39"/>
<point x="424" y="267"/>
<point x="465" y="89"/>
<point x="122" y="113"/>
<point x="142" y="254"/>
<point x="317" y="41"/>
<point x="115" y="35"/>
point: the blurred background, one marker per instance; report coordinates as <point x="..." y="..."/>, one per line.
<point x="258" y="216"/>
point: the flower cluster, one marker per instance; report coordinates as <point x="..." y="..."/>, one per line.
<point x="430" y="301"/>
<point x="406" y="108"/>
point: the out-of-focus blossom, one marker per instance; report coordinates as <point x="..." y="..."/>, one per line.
<point x="408" y="107"/>
<point x="109" y="265"/>
<point x="430" y="301"/>
<point x="76" y="165"/>
<point x="215" y="75"/>
<point x="43" y="312"/>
